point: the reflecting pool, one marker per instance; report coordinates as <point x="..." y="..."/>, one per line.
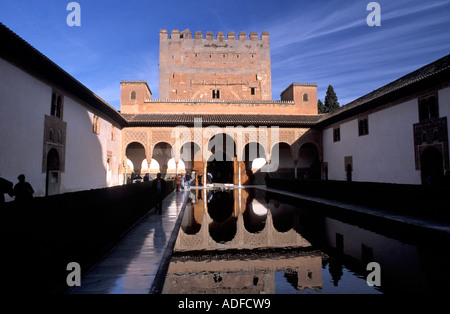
<point x="251" y="241"/>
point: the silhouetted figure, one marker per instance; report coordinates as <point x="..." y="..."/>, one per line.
<point x="146" y="177"/>
<point x="5" y="187"/>
<point x="159" y="190"/>
<point x="23" y="190"/>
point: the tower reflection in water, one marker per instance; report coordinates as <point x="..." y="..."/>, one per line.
<point x="237" y="241"/>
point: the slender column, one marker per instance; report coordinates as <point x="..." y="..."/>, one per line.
<point x="205" y="174"/>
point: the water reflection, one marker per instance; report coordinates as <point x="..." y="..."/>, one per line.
<point x="237" y="241"/>
<point x="246" y="241"/>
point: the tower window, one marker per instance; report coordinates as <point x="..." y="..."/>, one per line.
<point x="252" y="90"/>
<point x="133" y="95"/>
<point x="216" y="94"/>
<point x="305" y="97"/>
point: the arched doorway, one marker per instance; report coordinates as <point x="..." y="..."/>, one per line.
<point x="135" y="153"/>
<point x="308" y="164"/>
<point x="162" y="153"/>
<point x="191" y="155"/>
<point x="222" y="162"/>
<point x="282" y="162"/>
<point x="52" y="181"/>
<point x="431" y="165"/>
<point x="254" y="158"/>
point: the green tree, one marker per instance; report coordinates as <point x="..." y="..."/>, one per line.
<point x="331" y="100"/>
<point x="321" y="107"/>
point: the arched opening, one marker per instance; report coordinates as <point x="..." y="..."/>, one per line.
<point x="135" y="153"/>
<point x="221" y="164"/>
<point x="254" y="157"/>
<point x="163" y="153"/>
<point x="191" y="155"/>
<point x="308" y="165"/>
<point x="282" y="162"/>
<point x="52" y="181"/>
<point x="431" y="166"/>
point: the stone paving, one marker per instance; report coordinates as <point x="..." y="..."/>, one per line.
<point x="132" y="266"/>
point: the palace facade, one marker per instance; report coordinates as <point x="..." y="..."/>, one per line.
<point x="215" y="115"/>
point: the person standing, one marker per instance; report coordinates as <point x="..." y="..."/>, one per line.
<point x="159" y="189"/>
<point x="188" y="181"/>
<point x="23" y="190"/>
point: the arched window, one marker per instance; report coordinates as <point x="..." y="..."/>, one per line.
<point x="133" y="95"/>
<point x="424" y="137"/>
<point x="96" y="125"/>
<point x="435" y="135"/>
<point x="305" y="97"/>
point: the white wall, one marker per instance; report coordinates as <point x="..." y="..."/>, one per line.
<point x="386" y="154"/>
<point x="24" y="102"/>
<point x="86" y="151"/>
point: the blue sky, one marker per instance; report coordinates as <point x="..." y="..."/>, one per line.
<point x="324" y="42"/>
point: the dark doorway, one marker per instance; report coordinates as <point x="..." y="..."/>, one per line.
<point x="349" y="173"/>
<point x="221" y="163"/>
<point x="52" y="180"/>
<point x="431" y="166"/>
<point x="222" y="171"/>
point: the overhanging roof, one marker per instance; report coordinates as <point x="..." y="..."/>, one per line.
<point x="20" y="53"/>
<point x="222" y="120"/>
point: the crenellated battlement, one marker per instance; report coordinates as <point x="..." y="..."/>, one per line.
<point x="187" y="34"/>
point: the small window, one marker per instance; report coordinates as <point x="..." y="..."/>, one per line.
<point x="363" y="126"/>
<point x="428" y="107"/>
<point x="305" y="97"/>
<point x="133" y="95"/>
<point x="113" y="133"/>
<point x="216" y="94"/>
<point x="53" y="107"/>
<point x="337" y="134"/>
<point x="96" y="125"/>
<point x="252" y="90"/>
<point x="56" y="106"/>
